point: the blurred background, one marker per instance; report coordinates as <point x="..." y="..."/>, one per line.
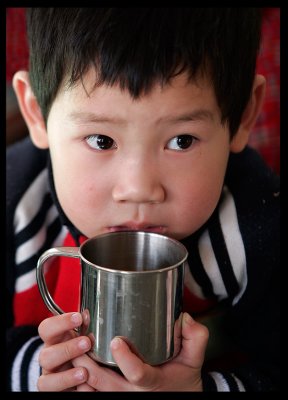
<point x="266" y="134"/>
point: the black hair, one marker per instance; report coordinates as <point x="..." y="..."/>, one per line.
<point x="137" y="47"/>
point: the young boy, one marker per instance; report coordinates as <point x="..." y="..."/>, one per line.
<point x="146" y="114"/>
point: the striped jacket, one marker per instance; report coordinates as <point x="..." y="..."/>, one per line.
<point x="231" y="279"/>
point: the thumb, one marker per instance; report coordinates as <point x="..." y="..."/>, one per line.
<point x="194" y="342"/>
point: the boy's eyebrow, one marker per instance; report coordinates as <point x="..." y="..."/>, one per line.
<point x="87" y="117"/>
<point x="196" y="115"/>
<point x="84" y="117"/>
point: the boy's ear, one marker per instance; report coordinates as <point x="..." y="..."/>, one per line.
<point x="251" y="112"/>
<point x="30" y="109"/>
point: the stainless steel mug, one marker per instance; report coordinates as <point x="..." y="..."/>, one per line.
<point x="131" y="286"/>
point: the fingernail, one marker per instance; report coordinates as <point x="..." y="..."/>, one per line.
<point x="188" y="319"/>
<point x="76" y="319"/>
<point x="115" y="343"/>
<point x="79" y="375"/>
<point x="83" y="344"/>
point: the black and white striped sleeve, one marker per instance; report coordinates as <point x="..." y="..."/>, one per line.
<point x="222" y="382"/>
<point x="23" y="369"/>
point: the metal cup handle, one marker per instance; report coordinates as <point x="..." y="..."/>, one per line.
<point x="56" y="251"/>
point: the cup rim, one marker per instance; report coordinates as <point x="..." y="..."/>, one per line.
<point x="134" y="233"/>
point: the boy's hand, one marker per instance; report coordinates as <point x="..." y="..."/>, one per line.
<point x="183" y="373"/>
<point x="61" y="345"/>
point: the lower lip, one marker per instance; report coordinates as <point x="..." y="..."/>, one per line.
<point x="154" y="229"/>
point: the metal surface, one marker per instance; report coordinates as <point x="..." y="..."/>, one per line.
<point x="131" y="286"/>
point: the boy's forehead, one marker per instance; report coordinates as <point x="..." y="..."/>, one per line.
<point x="177" y="101"/>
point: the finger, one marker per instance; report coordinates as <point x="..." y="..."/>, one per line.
<point x="194" y="342"/>
<point x="54" y="356"/>
<point x="60" y="381"/>
<point x="133" y="368"/>
<point x="84" y="387"/>
<point x="55" y="329"/>
<point x="101" y="378"/>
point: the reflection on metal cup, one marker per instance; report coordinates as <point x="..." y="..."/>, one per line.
<point x="132" y="287"/>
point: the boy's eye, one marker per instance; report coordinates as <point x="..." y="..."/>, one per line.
<point x="101" y="142"/>
<point x="181" y="142"/>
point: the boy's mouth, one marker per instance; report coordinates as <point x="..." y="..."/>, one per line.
<point x="144" y="227"/>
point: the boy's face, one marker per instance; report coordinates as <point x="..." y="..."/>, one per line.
<point x="155" y="164"/>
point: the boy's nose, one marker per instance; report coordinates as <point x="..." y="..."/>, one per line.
<point x="138" y="183"/>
